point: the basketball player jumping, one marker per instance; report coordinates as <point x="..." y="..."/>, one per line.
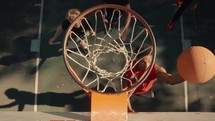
<point x="157" y="73"/>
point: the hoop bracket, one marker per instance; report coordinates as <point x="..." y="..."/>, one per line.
<point x="108" y="107"/>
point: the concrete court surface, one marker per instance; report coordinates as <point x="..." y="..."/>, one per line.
<point x="20" y="24"/>
<point x="85" y="116"/>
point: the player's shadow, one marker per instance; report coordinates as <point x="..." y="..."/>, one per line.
<point x="19" y="50"/>
<point x="50" y="51"/>
<point x="73" y="100"/>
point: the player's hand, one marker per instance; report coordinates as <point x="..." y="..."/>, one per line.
<point x="51" y="41"/>
<point x="93" y="33"/>
<point x="104" y="19"/>
<point x="124" y="36"/>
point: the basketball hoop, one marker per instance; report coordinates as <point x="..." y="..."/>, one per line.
<point x="100" y="66"/>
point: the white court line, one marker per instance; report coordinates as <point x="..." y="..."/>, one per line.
<point x="38" y="57"/>
<point x="185" y="44"/>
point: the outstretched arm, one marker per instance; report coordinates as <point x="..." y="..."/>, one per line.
<point x="9" y="105"/>
<point x="58" y="32"/>
<point x="127" y="21"/>
<point x="167" y="77"/>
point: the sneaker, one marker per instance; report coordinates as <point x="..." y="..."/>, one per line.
<point x="169" y="25"/>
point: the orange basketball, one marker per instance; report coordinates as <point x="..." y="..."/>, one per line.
<point x="196" y="64"/>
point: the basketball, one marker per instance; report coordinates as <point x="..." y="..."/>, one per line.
<point x="196" y="64"/>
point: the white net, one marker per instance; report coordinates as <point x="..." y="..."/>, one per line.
<point x="101" y="46"/>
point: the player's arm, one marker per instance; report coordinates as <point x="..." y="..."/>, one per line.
<point x="88" y="28"/>
<point x="21" y="107"/>
<point x="9" y="105"/>
<point x="63" y="27"/>
<point x="127" y="21"/>
<point x="167" y="77"/>
<point x="58" y="32"/>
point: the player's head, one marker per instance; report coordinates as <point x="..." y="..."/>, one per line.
<point x="143" y="51"/>
<point x="144" y="55"/>
<point x="72" y="14"/>
<point x="11" y="93"/>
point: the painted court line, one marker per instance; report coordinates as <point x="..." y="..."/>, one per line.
<point x="38" y="57"/>
<point x="185" y="44"/>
